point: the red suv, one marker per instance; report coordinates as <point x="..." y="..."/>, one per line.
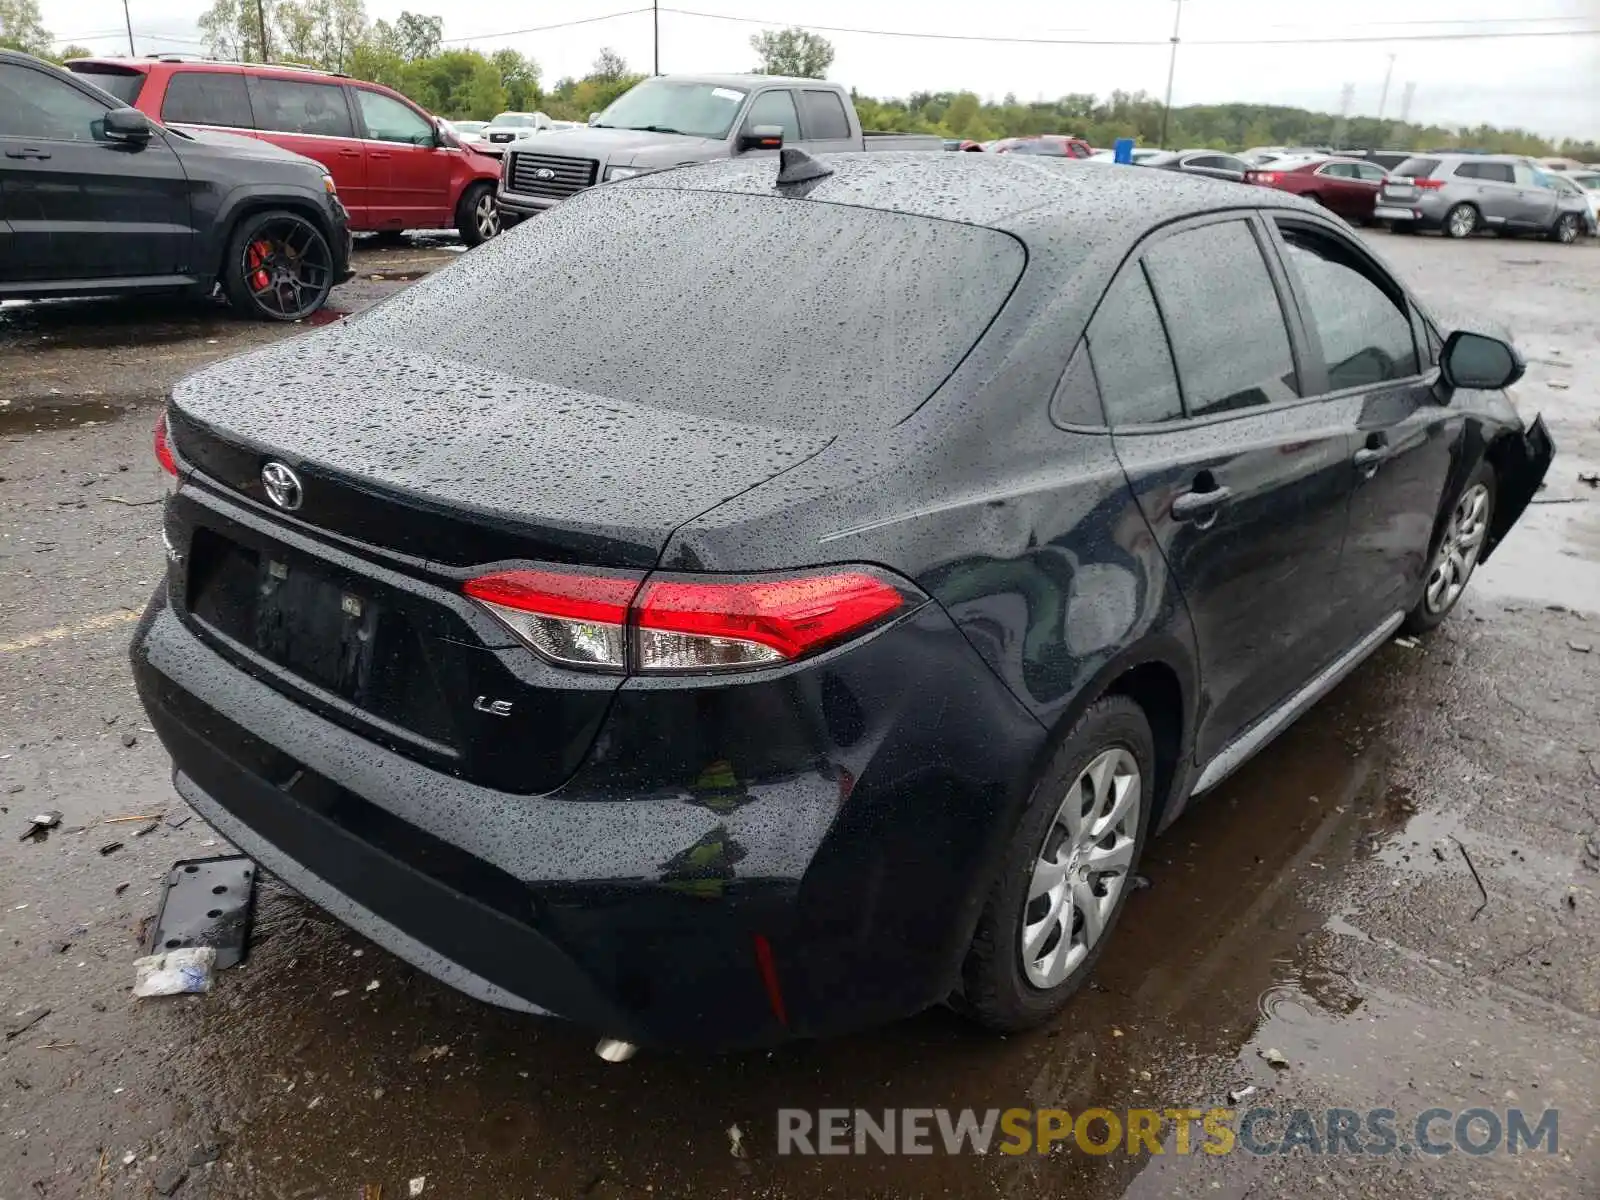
<point x="394" y="167"/>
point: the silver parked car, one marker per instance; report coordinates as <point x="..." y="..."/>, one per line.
<point x="1463" y="193"/>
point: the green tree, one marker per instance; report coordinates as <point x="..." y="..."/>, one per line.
<point x="22" y="28"/>
<point x="232" y="29"/>
<point x="418" y="37"/>
<point x="321" y="33"/>
<point x="793" y="51"/>
<point x="68" y="53"/>
<point x="609" y="67"/>
<point x="519" y="76"/>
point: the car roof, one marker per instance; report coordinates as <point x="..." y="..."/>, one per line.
<point x="1033" y="198"/>
<point x="745" y="82"/>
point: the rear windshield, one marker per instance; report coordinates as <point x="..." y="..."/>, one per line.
<point x="124" y="85"/>
<point x="764" y="310"/>
<point x="1417" y="168"/>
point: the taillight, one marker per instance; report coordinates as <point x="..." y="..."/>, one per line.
<point x="1266" y="177"/>
<point x="1429" y="184"/>
<point x="687" y="623"/>
<point x="164" y="447"/>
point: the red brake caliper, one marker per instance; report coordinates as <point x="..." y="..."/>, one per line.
<point x="255" y="259"/>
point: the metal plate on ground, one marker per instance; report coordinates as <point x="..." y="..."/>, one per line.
<point x="207" y="902"/>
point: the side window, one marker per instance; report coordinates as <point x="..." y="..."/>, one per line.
<point x="1205" y="160"/>
<point x="1524" y="175"/>
<point x="1077" y="399"/>
<point x="388" y="120"/>
<point x="1365" y="335"/>
<point x="1128" y="348"/>
<point x="33" y="105"/>
<point x="207" y="98"/>
<point x="1338" y="170"/>
<point x="824" y="114"/>
<point x="289" y="106"/>
<point x="775" y="108"/>
<point x="1223" y="318"/>
<point x="1468" y="171"/>
<point x="1496" y="172"/>
<point x="1371" y="173"/>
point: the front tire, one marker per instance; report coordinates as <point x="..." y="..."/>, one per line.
<point x="1460" y="547"/>
<point x="1461" y="221"/>
<point x="477" y="215"/>
<point x="278" y="267"/>
<point x="1566" y="229"/>
<point x="1067" y="872"/>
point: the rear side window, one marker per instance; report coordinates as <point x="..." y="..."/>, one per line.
<point x="289" y="106"/>
<point x="1365" y="335"/>
<point x="1130" y="355"/>
<point x="1417" y="168"/>
<point x="207" y="98"/>
<point x="1493" y="172"/>
<point x="124" y="85"/>
<point x="757" y="309"/>
<point x="1228" y="335"/>
<point x="823" y="116"/>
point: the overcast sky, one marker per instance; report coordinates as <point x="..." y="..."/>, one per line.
<point x="1548" y="83"/>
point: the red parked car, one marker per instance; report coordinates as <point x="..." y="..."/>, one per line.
<point x="394" y="166"/>
<point x="1346" y="186"/>
<point x="1048" y="145"/>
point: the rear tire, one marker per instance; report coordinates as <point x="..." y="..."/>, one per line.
<point x="1457" y="554"/>
<point x="1049" y="913"/>
<point x="477" y="216"/>
<point x="278" y="267"/>
<point x="1461" y="221"/>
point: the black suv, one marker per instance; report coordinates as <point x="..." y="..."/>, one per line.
<point x="97" y="199"/>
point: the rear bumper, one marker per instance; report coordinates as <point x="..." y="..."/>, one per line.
<point x="847" y="818"/>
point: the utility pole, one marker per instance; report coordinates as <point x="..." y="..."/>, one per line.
<point x="129" y="19"/>
<point x="1172" y="66"/>
<point x="655" y="27"/>
<point x="1383" y="96"/>
<point x="1405" y="101"/>
<point x="1346" y="95"/>
<point x="261" y="16"/>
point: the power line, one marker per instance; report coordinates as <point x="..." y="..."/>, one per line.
<point x="1042" y="41"/>
<point x="558" y="25"/>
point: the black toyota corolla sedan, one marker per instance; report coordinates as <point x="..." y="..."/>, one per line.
<point x="729" y="609"/>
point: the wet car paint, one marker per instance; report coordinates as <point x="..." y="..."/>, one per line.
<point x="1274" y="919"/>
<point x="979" y="464"/>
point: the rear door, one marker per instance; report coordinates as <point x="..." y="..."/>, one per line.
<point x="79" y="206"/>
<point x="311" y="117"/>
<point x="1491" y="187"/>
<point x="1368" y="356"/>
<point x="1244" y="482"/>
<point x="824" y="124"/>
<point x="408" y="173"/>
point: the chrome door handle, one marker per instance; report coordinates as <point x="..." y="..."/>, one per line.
<point x="1200" y="507"/>
<point x="1369" y="458"/>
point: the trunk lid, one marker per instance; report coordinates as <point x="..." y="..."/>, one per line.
<point x="414" y="473"/>
<point x="462" y="465"/>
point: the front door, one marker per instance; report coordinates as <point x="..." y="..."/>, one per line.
<point x="408" y="172"/>
<point x="1244" y="483"/>
<point x="1536" y="203"/>
<point x="1367" y="357"/>
<point x="79" y="206"/>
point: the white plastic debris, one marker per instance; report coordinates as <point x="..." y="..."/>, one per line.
<point x="736" y="1141"/>
<point x="174" y="973"/>
<point x="1274" y="1057"/>
<point x="417" y="1184"/>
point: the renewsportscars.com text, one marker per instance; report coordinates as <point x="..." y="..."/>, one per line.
<point x="1260" y="1131"/>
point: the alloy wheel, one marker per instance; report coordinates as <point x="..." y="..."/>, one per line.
<point x="1458" y="550"/>
<point x="288" y="268"/>
<point x="1462" y="221"/>
<point x="1567" y="229"/>
<point x="1082" y="868"/>
<point x="486" y="215"/>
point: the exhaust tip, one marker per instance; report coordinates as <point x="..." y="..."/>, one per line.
<point x="615" y="1050"/>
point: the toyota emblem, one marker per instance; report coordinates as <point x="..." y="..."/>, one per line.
<point x="283" y="486"/>
<point x="544" y="173"/>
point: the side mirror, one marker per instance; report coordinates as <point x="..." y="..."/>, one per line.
<point x="761" y="137"/>
<point x="126" y="125"/>
<point x="1475" y="360"/>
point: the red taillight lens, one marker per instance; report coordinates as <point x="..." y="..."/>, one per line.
<point x="1429" y="184"/>
<point x="686" y="623"/>
<point x="164" y="447"/>
<point x="575" y="620"/>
